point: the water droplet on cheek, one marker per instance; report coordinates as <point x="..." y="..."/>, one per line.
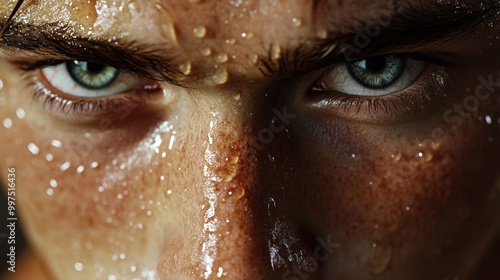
<point x="20" y="113"/>
<point x="185" y="68"/>
<point x="7" y="123"/>
<point x="296" y="22"/>
<point x="380" y="258"/>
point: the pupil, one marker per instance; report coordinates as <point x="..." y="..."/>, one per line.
<point x="376" y="64"/>
<point x="93" y="67"/>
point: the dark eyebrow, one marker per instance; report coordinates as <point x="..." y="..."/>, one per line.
<point x="411" y="28"/>
<point x="54" y="42"/>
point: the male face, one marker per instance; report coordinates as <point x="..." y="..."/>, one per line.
<point x="253" y="139"/>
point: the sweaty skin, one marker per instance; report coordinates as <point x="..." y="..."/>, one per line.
<point x="237" y="173"/>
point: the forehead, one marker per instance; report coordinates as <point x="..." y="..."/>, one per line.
<point x="209" y="33"/>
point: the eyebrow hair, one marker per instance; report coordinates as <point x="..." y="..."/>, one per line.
<point x="409" y="29"/>
<point x="54" y="41"/>
<point x="413" y="26"/>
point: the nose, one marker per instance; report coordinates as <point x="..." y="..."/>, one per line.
<point x="248" y="226"/>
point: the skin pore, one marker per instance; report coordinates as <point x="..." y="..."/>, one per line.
<point x="235" y="144"/>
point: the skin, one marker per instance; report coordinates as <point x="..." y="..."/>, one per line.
<point x="180" y="190"/>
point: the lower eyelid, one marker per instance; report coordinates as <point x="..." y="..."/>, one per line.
<point x="88" y="111"/>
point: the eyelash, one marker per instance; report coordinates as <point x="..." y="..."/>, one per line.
<point x="81" y="110"/>
<point x="416" y="100"/>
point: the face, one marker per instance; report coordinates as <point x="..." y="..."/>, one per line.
<point x="253" y="139"/>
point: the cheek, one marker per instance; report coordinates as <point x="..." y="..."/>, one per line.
<point x="375" y="184"/>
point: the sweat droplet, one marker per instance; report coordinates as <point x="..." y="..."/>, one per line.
<point x="20" y="113"/>
<point x="79" y="266"/>
<point x="185" y="68"/>
<point x="221" y="58"/>
<point x="206" y="51"/>
<point x="200" y="31"/>
<point x="33" y="149"/>
<point x="379" y="259"/>
<point x="168" y="31"/>
<point x="220" y="77"/>
<point x="297" y="22"/>
<point x="1" y="84"/>
<point x="7" y="123"/>
<point x="322" y="34"/>
<point x="275" y="52"/>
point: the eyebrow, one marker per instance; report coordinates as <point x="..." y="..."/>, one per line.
<point x="55" y="42"/>
<point x="412" y="28"/>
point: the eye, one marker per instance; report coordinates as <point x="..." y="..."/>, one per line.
<point x="382" y="89"/>
<point x="84" y="92"/>
<point x="375" y="76"/>
<point x="89" y="80"/>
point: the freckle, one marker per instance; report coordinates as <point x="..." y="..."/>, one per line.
<point x="221" y="58"/>
<point x="20" y="113"/>
<point x="296" y="22"/>
<point x="7" y="123"/>
<point x="2" y="101"/>
<point x="206" y="51"/>
<point x="200" y="31"/>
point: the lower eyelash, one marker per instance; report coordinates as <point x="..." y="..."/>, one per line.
<point x="86" y="110"/>
<point x="418" y="100"/>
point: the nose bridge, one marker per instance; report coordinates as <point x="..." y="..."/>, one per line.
<point x="249" y="231"/>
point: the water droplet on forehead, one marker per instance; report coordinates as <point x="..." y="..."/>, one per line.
<point x="221" y="58"/>
<point x="185" y="68"/>
<point x="206" y="51"/>
<point x="168" y="31"/>
<point x="220" y="77"/>
<point x="200" y="31"/>
<point x="1" y="84"/>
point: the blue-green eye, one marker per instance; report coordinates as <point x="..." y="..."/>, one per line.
<point x="91" y="75"/>
<point x="374" y="76"/>
<point x="377" y="72"/>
